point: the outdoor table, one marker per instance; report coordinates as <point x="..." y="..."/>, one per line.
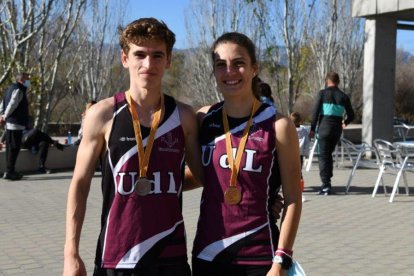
<point x="406" y="149"/>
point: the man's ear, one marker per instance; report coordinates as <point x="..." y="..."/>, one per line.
<point x="124" y="59"/>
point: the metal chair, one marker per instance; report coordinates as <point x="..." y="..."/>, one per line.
<point x="309" y="160"/>
<point x="392" y="158"/>
<point x="403" y="131"/>
<point x="355" y="154"/>
<point x="313" y="151"/>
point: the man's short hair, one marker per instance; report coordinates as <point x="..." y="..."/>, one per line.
<point x="333" y="77"/>
<point x="146" y="29"/>
<point x="21" y="75"/>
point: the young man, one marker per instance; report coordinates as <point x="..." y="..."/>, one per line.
<point x="15" y="113"/>
<point x="144" y="138"/>
<point x="330" y="107"/>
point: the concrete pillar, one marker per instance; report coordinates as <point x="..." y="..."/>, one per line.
<point x="379" y="79"/>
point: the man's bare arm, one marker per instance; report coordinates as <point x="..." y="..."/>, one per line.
<point x="89" y="151"/>
<point x="193" y="174"/>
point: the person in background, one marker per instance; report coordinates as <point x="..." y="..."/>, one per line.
<point x="331" y="106"/>
<point x="304" y="142"/>
<point x="15" y="114"/>
<point x="38" y="142"/>
<point x="144" y="139"/>
<point x="265" y="93"/>
<point x="249" y="152"/>
<point x="80" y="133"/>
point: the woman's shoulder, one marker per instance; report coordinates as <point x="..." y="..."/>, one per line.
<point x="284" y="125"/>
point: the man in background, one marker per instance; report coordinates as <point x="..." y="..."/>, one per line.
<point x="330" y="108"/>
<point x="15" y="114"/>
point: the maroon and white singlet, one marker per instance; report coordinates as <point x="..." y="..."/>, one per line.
<point x="139" y="231"/>
<point x="245" y="233"/>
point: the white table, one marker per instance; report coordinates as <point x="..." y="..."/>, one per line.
<point x="407" y="151"/>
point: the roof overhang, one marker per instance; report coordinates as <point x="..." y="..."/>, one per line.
<point x="401" y="10"/>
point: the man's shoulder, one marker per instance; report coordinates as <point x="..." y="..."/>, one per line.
<point x="104" y="103"/>
<point x="336" y="89"/>
<point x="103" y="109"/>
<point x="341" y="93"/>
<point x="333" y="91"/>
<point x="13" y="87"/>
<point x="98" y="119"/>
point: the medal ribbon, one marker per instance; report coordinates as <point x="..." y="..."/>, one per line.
<point x="235" y="165"/>
<point x="144" y="155"/>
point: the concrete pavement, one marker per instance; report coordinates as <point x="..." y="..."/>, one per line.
<point x="339" y="235"/>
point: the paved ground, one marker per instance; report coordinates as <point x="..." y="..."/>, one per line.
<point x="339" y="235"/>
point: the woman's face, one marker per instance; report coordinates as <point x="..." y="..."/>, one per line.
<point x="233" y="70"/>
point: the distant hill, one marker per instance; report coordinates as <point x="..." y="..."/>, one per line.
<point x="282" y="54"/>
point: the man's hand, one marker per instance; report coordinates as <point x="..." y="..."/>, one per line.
<point x="311" y="134"/>
<point x="74" y="266"/>
<point x="2" y="120"/>
<point x="277" y="206"/>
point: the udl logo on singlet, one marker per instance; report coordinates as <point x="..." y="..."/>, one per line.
<point x="126" y="183"/>
<point x="169" y="140"/>
<point x="207" y="153"/>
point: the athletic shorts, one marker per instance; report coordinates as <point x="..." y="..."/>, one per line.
<point x="168" y="270"/>
<point x="205" y="268"/>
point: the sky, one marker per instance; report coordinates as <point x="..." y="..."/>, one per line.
<point x="172" y="13"/>
<point x="405" y="40"/>
<point x="169" y="11"/>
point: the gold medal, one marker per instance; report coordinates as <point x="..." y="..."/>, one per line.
<point x="232" y="195"/>
<point x="142" y="186"/>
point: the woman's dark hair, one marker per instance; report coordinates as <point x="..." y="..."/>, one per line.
<point x="243" y="41"/>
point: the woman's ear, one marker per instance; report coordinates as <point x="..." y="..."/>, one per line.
<point x="255" y="70"/>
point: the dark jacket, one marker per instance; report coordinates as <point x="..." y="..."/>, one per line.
<point x="20" y="115"/>
<point x="330" y="108"/>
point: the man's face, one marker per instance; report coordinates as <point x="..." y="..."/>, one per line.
<point x="25" y="80"/>
<point x="146" y="63"/>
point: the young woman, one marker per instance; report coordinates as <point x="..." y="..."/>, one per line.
<point x="249" y="152"/>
